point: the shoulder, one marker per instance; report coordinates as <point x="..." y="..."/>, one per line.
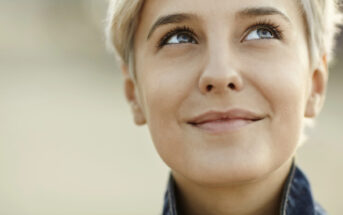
<point x="297" y="195"/>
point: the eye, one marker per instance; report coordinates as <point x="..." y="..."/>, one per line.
<point x="261" y="33"/>
<point x="177" y="36"/>
<point x="182" y="37"/>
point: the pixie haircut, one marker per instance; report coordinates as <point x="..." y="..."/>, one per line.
<point x="322" y="20"/>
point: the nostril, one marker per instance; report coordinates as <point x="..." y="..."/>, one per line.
<point x="209" y="87"/>
<point x="231" y="86"/>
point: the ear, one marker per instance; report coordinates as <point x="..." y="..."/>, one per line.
<point x="130" y="89"/>
<point x="316" y="96"/>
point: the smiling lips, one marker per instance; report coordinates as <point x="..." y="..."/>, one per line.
<point x="219" y="122"/>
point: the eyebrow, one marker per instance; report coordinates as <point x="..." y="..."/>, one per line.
<point x="182" y="17"/>
<point x="170" y="19"/>
<point x="262" y="11"/>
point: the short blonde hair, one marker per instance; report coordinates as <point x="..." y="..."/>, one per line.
<point x="122" y="22"/>
<point x="322" y="18"/>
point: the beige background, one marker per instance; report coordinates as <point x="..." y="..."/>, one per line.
<point x="68" y="145"/>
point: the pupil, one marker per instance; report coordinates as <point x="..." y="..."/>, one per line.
<point x="183" y="38"/>
<point x="265" y="33"/>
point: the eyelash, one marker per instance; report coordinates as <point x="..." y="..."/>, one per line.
<point x="169" y="34"/>
<point x="275" y="29"/>
<point x="268" y="24"/>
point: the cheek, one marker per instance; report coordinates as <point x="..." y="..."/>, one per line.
<point x="167" y="80"/>
<point x="165" y="87"/>
<point x="164" y="91"/>
<point x="283" y="84"/>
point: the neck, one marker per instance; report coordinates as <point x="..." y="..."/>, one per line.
<point x="261" y="197"/>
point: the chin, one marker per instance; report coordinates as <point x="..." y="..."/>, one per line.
<point x="224" y="170"/>
<point x="243" y="159"/>
<point x="231" y="174"/>
<point x="221" y="160"/>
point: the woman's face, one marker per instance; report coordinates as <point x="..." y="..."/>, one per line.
<point x="223" y="85"/>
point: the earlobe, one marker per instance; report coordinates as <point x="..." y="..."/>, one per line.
<point x="313" y="106"/>
<point x="317" y="92"/>
<point x="138" y="114"/>
<point x="132" y="97"/>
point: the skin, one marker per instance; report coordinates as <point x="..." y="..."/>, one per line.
<point x="234" y="172"/>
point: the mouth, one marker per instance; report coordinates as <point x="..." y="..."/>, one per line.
<point x="216" y="122"/>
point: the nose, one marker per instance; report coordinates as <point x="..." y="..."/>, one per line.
<point x="220" y="76"/>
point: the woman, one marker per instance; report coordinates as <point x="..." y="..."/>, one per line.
<point x="225" y="88"/>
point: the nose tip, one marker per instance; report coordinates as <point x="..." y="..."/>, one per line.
<point x="231" y="86"/>
<point x="213" y="84"/>
<point x="220" y="70"/>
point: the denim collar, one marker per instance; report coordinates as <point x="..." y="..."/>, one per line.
<point x="296" y="197"/>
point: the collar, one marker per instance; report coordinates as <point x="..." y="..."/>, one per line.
<point x="296" y="197"/>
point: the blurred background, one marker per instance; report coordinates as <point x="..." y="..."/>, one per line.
<point x="68" y="144"/>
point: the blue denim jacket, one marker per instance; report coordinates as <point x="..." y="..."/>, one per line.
<point x="296" y="198"/>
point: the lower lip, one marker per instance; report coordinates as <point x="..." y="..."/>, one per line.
<point x="223" y="126"/>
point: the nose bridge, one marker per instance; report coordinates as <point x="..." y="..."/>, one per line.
<point x="219" y="72"/>
<point x="218" y="56"/>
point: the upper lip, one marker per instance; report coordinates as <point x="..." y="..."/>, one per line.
<point x="210" y="116"/>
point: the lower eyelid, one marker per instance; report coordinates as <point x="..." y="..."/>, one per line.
<point x="177" y="30"/>
<point x="267" y="24"/>
<point x="277" y="34"/>
<point x="164" y="42"/>
<point x="272" y="27"/>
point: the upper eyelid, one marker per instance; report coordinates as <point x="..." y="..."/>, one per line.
<point x="261" y="23"/>
<point x="176" y="31"/>
<point x="275" y="28"/>
<point x="178" y="18"/>
<point x="180" y="32"/>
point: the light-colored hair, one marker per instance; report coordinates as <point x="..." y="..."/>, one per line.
<point x="122" y="22"/>
<point x="322" y="18"/>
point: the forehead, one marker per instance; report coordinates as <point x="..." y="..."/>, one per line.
<point x="212" y="10"/>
